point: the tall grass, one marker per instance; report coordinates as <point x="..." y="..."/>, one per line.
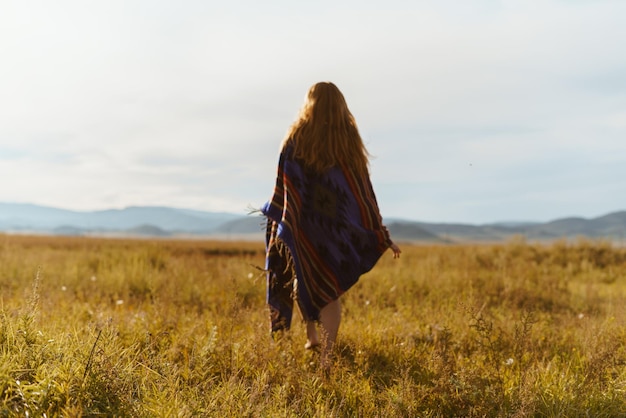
<point x="95" y="327"/>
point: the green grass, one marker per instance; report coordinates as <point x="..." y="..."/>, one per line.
<point x="95" y="327"/>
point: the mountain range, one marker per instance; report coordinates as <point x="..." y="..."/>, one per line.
<point x="153" y="221"/>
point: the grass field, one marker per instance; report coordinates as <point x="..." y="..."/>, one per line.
<point x="95" y="327"/>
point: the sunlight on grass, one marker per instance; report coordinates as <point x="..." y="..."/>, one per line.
<point x="180" y="328"/>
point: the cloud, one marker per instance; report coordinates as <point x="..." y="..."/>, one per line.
<point x="466" y="107"/>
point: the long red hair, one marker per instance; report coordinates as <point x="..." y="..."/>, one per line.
<point x="325" y="134"/>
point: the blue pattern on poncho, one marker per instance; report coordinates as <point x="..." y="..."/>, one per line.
<point x="326" y="229"/>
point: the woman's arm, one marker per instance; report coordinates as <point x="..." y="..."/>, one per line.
<point x="396" y="250"/>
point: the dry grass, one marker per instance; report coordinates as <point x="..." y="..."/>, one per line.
<point x="94" y="327"/>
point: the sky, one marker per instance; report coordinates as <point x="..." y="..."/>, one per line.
<point x="474" y="111"/>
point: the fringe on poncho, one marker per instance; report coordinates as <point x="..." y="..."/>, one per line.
<point x="323" y="232"/>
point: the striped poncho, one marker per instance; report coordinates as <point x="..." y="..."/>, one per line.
<point x="324" y="229"/>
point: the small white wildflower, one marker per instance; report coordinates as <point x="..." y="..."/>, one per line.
<point x="119" y="302"/>
<point x="94" y="278"/>
<point x="367" y="302"/>
<point x="581" y="315"/>
<point x="250" y="275"/>
<point x="509" y="362"/>
<point x="63" y="288"/>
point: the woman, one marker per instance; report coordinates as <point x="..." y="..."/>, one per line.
<point x="324" y="227"/>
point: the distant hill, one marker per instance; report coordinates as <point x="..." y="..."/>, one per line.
<point x="612" y="225"/>
<point x="412" y="231"/>
<point x="455" y="232"/>
<point x="247" y="225"/>
<point x="27" y="217"/>
<point x="171" y="222"/>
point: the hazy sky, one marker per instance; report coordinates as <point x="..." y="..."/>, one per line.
<point x="475" y="110"/>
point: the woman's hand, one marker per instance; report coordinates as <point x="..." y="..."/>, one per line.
<point x="396" y="250"/>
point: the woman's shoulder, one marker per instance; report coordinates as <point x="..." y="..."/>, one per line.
<point x="287" y="150"/>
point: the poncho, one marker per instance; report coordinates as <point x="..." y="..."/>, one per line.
<point x="324" y="229"/>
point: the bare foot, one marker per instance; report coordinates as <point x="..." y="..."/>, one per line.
<point x="310" y="345"/>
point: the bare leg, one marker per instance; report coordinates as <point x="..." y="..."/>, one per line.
<point x="330" y="317"/>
